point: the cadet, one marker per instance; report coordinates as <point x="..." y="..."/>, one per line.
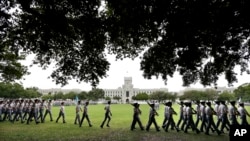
<point x="223" y="115"/>
<point x="181" y="117"/>
<point x="210" y="121"/>
<point x="170" y="120"/>
<point x="243" y="114"/>
<point x="1" y="110"/>
<point x="184" y="123"/>
<point x="152" y="114"/>
<point x="41" y="110"/>
<point x="190" y="121"/>
<point x="85" y="114"/>
<point x="19" y="111"/>
<point x="48" y="110"/>
<point x="203" y="116"/>
<point x="61" y="113"/>
<point x="108" y="114"/>
<point x="216" y="109"/>
<point x="198" y="114"/>
<point x="33" y="113"/>
<point x="136" y="118"/>
<point x="78" y="110"/>
<point x="166" y="114"/>
<point x="233" y="113"/>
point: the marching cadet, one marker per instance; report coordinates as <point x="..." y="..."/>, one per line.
<point x="190" y="121"/>
<point x="61" y="113"/>
<point x="181" y="117"/>
<point x="85" y="114"/>
<point x="27" y="109"/>
<point x="233" y="113"/>
<point x="8" y="113"/>
<point x="108" y="114"/>
<point x="184" y="123"/>
<point x="203" y="115"/>
<point x="166" y="114"/>
<point x="48" y="110"/>
<point x="210" y="121"/>
<point x="19" y="111"/>
<point x="170" y="119"/>
<point x="1" y="110"/>
<point x="136" y="117"/>
<point x="216" y="109"/>
<point x="41" y="110"/>
<point x="243" y="114"/>
<point x="78" y="110"/>
<point x="152" y="114"/>
<point x="33" y="112"/>
<point x="198" y="114"/>
<point x="223" y="115"/>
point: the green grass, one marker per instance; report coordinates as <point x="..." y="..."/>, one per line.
<point x="119" y="130"/>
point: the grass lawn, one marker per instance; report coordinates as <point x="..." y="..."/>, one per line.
<point x="119" y="129"/>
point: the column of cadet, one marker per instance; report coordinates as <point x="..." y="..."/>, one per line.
<point x="206" y="116"/>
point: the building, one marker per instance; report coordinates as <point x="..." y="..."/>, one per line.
<point x="127" y="91"/>
<point x="219" y="90"/>
<point x="57" y="90"/>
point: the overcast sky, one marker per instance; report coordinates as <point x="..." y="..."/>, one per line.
<point x="118" y="70"/>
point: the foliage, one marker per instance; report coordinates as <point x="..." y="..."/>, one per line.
<point x="243" y="92"/>
<point x="95" y="94"/>
<point x="199" y="95"/>
<point x="201" y="39"/>
<point x="226" y="96"/>
<point x="141" y="96"/>
<point x="107" y="98"/>
<point x="15" y="90"/>
<point x="161" y="96"/>
<point x="117" y="98"/>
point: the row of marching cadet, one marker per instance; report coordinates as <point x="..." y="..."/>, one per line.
<point x="210" y="116"/>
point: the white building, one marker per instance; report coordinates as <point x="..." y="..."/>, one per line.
<point x="57" y="90"/>
<point x="127" y="91"/>
<point x="219" y="90"/>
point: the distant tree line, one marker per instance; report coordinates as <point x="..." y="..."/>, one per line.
<point x="15" y="90"/>
<point x="93" y="94"/>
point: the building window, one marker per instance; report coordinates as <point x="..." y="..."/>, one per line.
<point x="127" y="93"/>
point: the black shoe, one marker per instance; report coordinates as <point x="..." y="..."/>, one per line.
<point x="90" y="125"/>
<point x="197" y="131"/>
<point x="108" y="126"/>
<point x="101" y="126"/>
<point x="207" y="133"/>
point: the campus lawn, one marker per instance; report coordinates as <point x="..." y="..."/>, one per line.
<point x="119" y="129"/>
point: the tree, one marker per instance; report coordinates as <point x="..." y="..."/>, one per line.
<point x="107" y="98"/>
<point x="95" y="94"/>
<point x="117" y="98"/>
<point x="10" y="67"/>
<point x="226" y="96"/>
<point x="159" y="96"/>
<point x="141" y="96"/>
<point x="243" y="92"/>
<point x="200" y="39"/>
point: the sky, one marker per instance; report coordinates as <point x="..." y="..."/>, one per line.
<point x="115" y="78"/>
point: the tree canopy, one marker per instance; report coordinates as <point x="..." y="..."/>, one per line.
<point x="200" y="39"/>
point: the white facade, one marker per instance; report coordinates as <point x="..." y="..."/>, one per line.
<point x="57" y="90"/>
<point x="127" y="91"/>
<point x="219" y="90"/>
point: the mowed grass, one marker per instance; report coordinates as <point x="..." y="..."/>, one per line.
<point x="119" y="129"/>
